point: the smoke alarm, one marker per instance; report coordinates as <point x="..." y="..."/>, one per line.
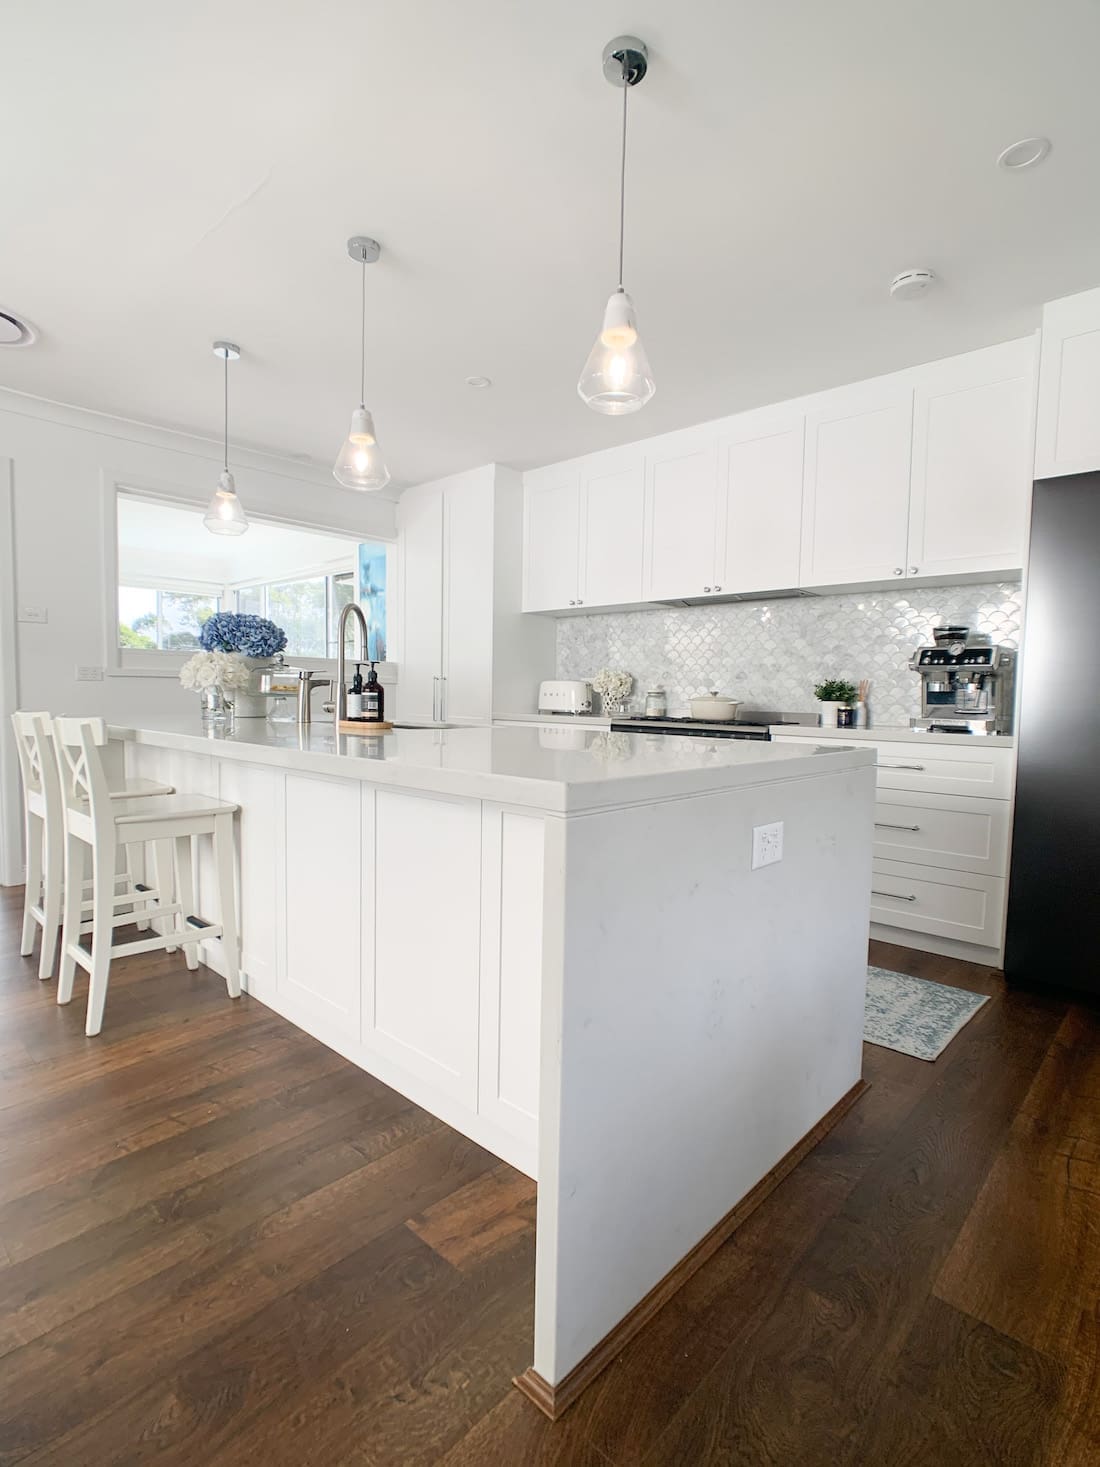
<point x="910" y="284"/>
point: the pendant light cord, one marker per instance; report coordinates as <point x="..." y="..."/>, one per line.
<point x="363" y="337"/>
<point x="622" y="177"/>
<point x="225" y="453"/>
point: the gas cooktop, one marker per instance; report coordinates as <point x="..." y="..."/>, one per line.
<point x="736" y="728"/>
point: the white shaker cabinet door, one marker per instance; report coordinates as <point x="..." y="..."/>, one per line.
<point x="551" y="541"/>
<point x="612" y="529"/>
<point x="467" y="691"/>
<point x="856" y="503"/>
<point x="420" y="643"/>
<point x="1067" y="439"/>
<point x="972" y="456"/>
<point x="760" y="464"/>
<point x="681" y="516"/>
<point x="423" y="1011"/>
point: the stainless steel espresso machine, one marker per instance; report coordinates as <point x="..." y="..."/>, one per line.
<point x="968" y="685"/>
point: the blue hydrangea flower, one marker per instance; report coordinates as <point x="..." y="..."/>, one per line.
<point x="251" y="636"/>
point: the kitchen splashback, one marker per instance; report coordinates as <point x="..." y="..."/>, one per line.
<point x="769" y="654"/>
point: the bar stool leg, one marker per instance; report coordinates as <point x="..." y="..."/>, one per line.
<point x="70" y="931"/>
<point x="185" y="895"/>
<point x="227" y="901"/>
<point x="163" y="882"/>
<point x="103" y="935"/>
<point x="135" y="866"/>
<point x="54" y="862"/>
<point x="36" y="835"/>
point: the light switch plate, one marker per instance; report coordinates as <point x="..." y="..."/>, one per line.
<point x="39" y="614"/>
<point x="89" y="674"/>
<point x="767" y="844"/>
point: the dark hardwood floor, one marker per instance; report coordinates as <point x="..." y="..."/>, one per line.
<point x="220" y="1243"/>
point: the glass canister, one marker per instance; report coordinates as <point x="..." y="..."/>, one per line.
<point x="656" y="704"/>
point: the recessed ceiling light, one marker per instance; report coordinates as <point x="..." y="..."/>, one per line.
<point x="14" y="331"/>
<point x="1024" y="154"/>
<point x="479" y="382"/>
<point x="911" y="284"/>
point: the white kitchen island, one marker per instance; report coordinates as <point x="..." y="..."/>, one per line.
<point x="566" y="955"/>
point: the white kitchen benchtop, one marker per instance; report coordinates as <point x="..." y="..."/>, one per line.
<point x="882" y="735"/>
<point x="516" y="766"/>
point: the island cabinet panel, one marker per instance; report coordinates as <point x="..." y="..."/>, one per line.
<point x="257" y="791"/>
<point x="511" y="970"/>
<point x="320" y="881"/>
<point x="422" y="1008"/>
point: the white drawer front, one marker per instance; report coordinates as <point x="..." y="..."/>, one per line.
<point x="956" y="904"/>
<point x="941" y="770"/>
<point x="952" y="831"/>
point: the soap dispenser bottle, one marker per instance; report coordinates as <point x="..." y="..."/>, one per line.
<point x="355" y="694"/>
<point x="374" y="698"/>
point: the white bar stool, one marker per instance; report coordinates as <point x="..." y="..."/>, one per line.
<point x="94" y="821"/>
<point x="44" y="824"/>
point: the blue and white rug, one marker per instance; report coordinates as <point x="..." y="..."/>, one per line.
<point x="914" y="1015"/>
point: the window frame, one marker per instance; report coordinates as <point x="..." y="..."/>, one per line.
<point x="133" y="662"/>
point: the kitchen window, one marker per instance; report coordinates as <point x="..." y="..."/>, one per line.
<point x="165" y="621"/>
<point x="306" y="607"/>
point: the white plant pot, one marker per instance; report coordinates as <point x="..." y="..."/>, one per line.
<point x="827" y="716"/>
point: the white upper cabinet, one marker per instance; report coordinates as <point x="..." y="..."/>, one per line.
<point x="971" y="480"/>
<point x="681" y="515"/>
<point x="612" y="524"/>
<point x="856" y="485"/>
<point x="760" y="502"/>
<point x="467" y="669"/>
<point x="1067" y="437"/>
<point x="551" y="540"/>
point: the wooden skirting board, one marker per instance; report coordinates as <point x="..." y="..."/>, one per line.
<point x="553" y="1401"/>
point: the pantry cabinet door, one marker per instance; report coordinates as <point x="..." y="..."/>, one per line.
<point x="856" y="483"/>
<point x="1067" y="439"/>
<point x="420" y="644"/>
<point x="972" y="461"/>
<point x="681" y="516"/>
<point x="612" y="530"/>
<point x="760" y="505"/>
<point x="467" y="692"/>
<point x="551" y="540"/>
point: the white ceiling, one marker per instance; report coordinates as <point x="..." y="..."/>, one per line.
<point x="175" y="174"/>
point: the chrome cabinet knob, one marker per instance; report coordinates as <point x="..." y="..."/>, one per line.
<point x="572" y="603"/>
<point x="913" y="569"/>
<point x="706" y="588"/>
<point x="718" y="588"/>
<point x="899" y="570"/>
<point x="579" y="601"/>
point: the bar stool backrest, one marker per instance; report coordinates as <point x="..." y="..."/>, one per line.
<point x="83" y="778"/>
<point x="36" y="757"/>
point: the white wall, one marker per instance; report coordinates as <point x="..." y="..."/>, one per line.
<point x="61" y="457"/>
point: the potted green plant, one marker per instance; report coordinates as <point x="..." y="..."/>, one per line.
<point x="833" y="694"/>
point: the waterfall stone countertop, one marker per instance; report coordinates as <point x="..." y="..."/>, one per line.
<point x="518" y="766"/>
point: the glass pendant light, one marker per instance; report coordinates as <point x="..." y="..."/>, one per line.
<point x="359" y="464"/>
<point x="225" y="513"/>
<point x="617" y="378"/>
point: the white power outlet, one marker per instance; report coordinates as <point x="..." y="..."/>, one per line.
<point x="767" y="844"/>
<point x="89" y="674"/>
<point x="38" y="614"/>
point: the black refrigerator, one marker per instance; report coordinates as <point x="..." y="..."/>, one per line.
<point x="1053" y="931"/>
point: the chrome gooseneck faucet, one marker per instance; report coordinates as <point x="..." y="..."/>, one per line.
<point x="340" y="702"/>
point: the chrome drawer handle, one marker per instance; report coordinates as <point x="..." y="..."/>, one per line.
<point x="917" y="768"/>
<point x="898" y="897"/>
<point x="885" y="825"/>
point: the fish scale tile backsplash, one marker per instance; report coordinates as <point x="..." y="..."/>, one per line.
<point x="769" y="654"/>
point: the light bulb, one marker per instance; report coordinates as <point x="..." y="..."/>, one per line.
<point x="360" y="464"/>
<point x="617" y="378"/>
<point x="225" y="513"/>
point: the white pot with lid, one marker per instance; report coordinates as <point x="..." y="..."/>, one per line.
<point x="714" y="708"/>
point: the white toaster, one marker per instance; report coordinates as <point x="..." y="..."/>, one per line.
<point x="562" y="695"/>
